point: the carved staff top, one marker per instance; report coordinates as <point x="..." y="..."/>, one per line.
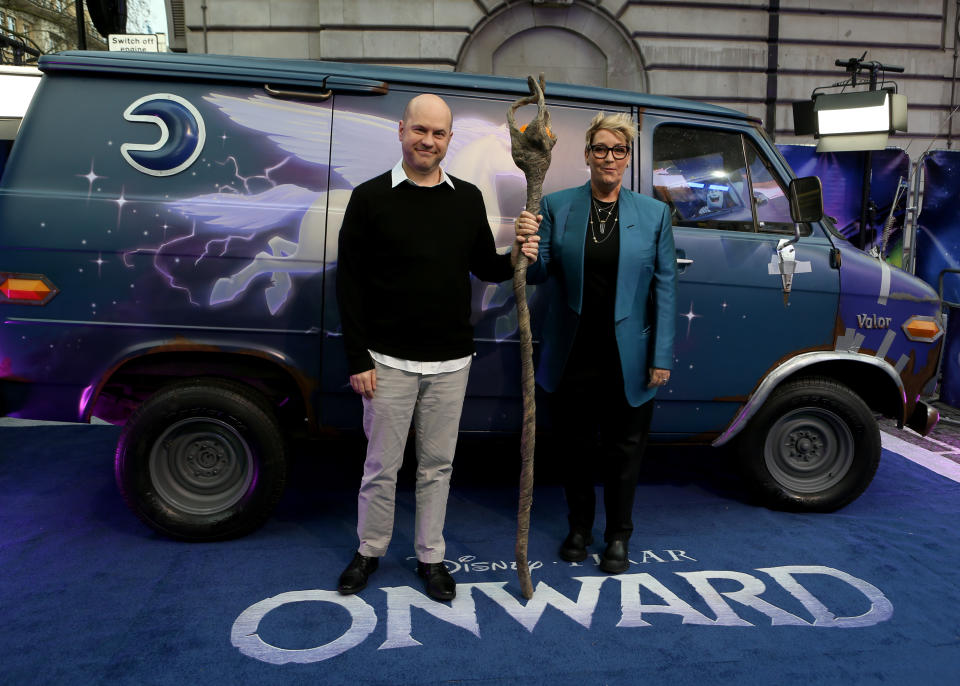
<point x="531" y="145"/>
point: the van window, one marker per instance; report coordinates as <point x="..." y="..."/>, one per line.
<point x="717" y="180"/>
<point x="770" y="198"/>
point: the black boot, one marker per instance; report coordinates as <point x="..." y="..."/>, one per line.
<point x="614" y="560"/>
<point x="574" y="546"/>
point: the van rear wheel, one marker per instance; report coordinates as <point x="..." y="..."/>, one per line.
<point x="202" y="460"/>
<point x="814" y="446"/>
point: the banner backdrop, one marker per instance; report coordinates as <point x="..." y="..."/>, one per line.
<point x="842" y="176"/>
<point x="938" y="226"/>
<point x="938" y="248"/>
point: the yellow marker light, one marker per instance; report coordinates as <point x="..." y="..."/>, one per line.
<point x="923" y="329"/>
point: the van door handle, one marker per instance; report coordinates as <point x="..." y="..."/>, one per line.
<point x="296" y="95"/>
<point x="684" y="261"/>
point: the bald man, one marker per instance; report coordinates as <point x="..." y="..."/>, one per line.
<point x="410" y="239"/>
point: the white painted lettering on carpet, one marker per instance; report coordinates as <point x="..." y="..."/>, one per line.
<point x="461" y="611"/>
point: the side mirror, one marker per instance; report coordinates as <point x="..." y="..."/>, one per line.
<point x="806" y="199"/>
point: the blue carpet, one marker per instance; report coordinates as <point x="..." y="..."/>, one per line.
<point x="721" y="592"/>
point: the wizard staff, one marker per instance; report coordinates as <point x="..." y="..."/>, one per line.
<point x="530" y="148"/>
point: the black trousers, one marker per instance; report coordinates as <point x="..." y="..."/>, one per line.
<point x="599" y="434"/>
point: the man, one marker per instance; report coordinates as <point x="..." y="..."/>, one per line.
<point x="409" y="241"/>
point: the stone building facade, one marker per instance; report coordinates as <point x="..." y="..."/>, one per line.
<point x="41" y="26"/>
<point x="758" y="56"/>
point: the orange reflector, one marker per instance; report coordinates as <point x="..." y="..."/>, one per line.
<point x="925" y="329"/>
<point x="26" y="289"/>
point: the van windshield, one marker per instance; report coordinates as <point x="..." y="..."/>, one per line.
<point x="828" y="222"/>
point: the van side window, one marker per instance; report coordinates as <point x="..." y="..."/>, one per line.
<point x="702" y="175"/>
<point x="770" y="198"/>
<point x="713" y="179"/>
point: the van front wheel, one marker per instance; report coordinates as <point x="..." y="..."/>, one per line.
<point x="814" y="446"/>
<point x="202" y="460"/>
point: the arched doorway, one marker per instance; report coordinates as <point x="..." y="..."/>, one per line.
<point x="580" y="43"/>
<point x="534" y="51"/>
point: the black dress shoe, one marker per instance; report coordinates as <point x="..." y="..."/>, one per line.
<point x="614" y="558"/>
<point x="574" y="547"/>
<point x="354" y="577"/>
<point x="440" y="585"/>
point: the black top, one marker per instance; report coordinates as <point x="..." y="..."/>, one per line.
<point x="594" y="349"/>
<point x="403" y="270"/>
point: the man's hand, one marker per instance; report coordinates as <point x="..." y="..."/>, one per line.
<point x="526" y="226"/>
<point x="364" y="383"/>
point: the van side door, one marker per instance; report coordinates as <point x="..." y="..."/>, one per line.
<point x="739" y="316"/>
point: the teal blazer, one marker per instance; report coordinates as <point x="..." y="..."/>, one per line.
<point x="645" y="307"/>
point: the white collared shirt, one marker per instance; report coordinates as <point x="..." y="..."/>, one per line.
<point x="398" y="176"/>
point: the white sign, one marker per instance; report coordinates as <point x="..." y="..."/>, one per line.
<point x="133" y="42"/>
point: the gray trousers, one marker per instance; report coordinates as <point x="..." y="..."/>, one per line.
<point x="434" y="403"/>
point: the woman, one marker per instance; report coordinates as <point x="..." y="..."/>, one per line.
<point x="608" y="335"/>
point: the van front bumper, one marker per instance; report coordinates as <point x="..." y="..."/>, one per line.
<point x="924" y="418"/>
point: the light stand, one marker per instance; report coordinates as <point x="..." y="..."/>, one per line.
<point x="854" y="67"/>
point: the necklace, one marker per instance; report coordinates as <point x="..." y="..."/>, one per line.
<point x="602" y="219"/>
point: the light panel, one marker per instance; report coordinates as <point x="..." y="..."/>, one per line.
<point x="853" y="113"/>
<point x="860" y="120"/>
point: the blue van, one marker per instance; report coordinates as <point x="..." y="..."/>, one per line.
<point x="168" y="252"/>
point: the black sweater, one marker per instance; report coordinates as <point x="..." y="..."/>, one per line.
<point x="403" y="270"/>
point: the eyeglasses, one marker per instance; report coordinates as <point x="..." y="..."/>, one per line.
<point x="600" y="151"/>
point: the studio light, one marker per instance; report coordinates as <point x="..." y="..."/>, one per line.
<point x="858" y="121"/>
<point x="866" y="112"/>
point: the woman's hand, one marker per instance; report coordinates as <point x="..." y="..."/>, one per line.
<point x="658" y="377"/>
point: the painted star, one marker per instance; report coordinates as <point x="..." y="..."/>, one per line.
<point x="691" y="315"/>
<point x="90" y="176"/>
<point x="99" y="262"/>
<point x="121" y="201"/>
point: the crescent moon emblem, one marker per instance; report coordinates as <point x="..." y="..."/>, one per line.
<point x="182" y="134"/>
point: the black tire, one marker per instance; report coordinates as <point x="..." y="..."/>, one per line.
<point x="814" y="446"/>
<point x="202" y="460"/>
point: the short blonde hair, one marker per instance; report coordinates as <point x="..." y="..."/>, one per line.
<point x="619" y="122"/>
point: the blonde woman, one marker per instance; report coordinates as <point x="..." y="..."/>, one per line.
<point x="608" y="335"/>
